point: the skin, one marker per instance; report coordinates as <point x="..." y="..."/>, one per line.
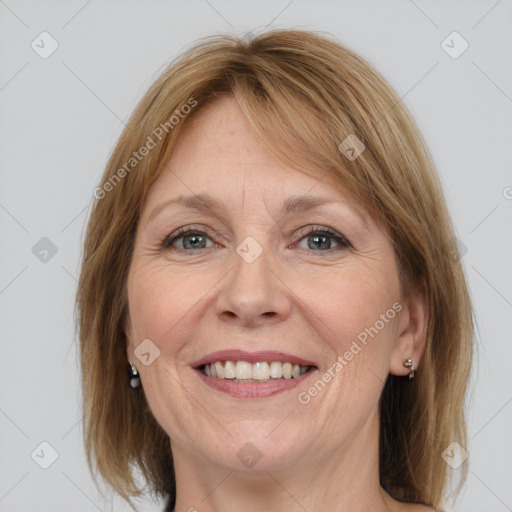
<point x="296" y="297"/>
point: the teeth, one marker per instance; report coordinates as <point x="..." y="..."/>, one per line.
<point x="220" y="370"/>
<point x="243" y="370"/>
<point x="260" y="371"/>
<point x="229" y="370"/>
<point x="276" y="370"/>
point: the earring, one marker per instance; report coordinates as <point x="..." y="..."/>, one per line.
<point x="134" y="377"/>
<point x="409" y="364"/>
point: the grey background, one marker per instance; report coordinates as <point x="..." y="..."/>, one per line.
<point x="59" y="120"/>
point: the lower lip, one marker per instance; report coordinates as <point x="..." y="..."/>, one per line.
<point x="253" y="389"/>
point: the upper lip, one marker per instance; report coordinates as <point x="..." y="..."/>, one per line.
<point x="251" y="357"/>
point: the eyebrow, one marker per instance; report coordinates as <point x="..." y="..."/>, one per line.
<point x="205" y="202"/>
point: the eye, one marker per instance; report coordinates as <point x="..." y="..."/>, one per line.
<point x="320" y="239"/>
<point x="191" y="239"/>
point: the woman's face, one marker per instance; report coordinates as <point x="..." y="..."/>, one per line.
<point x="258" y="272"/>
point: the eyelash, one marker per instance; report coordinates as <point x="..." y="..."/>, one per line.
<point x="166" y="243"/>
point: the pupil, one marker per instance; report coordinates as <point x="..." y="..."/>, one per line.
<point x="194" y="240"/>
<point x="322" y="239"/>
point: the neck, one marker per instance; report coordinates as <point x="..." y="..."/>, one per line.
<point x="345" y="479"/>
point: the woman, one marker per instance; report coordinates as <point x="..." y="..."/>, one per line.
<point x="270" y="255"/>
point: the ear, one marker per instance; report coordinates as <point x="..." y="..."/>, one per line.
<point x="411" y="332"/>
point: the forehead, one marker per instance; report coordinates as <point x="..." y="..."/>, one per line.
<point x="218" y="152"/>
<point x="219" y="131"/>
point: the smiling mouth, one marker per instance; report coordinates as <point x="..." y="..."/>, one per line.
<point x="262" y="371"/>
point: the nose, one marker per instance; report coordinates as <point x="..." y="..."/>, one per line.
<point x="253" y="293"/>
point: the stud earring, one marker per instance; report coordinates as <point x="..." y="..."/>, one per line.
<point x="134" y="377"/>
<point x="408" y="363"/>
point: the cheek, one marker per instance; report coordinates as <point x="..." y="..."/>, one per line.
<point x="358" y="310"/>
<point x="351" y="301"/>
<point x="162" y="301"/>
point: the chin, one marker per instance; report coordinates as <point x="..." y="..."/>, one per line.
<point x="255" y="448"/>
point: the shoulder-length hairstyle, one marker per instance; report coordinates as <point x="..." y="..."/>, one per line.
<point x="304" y="94"/>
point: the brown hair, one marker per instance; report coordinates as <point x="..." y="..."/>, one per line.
<point x="304" y="94"/>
